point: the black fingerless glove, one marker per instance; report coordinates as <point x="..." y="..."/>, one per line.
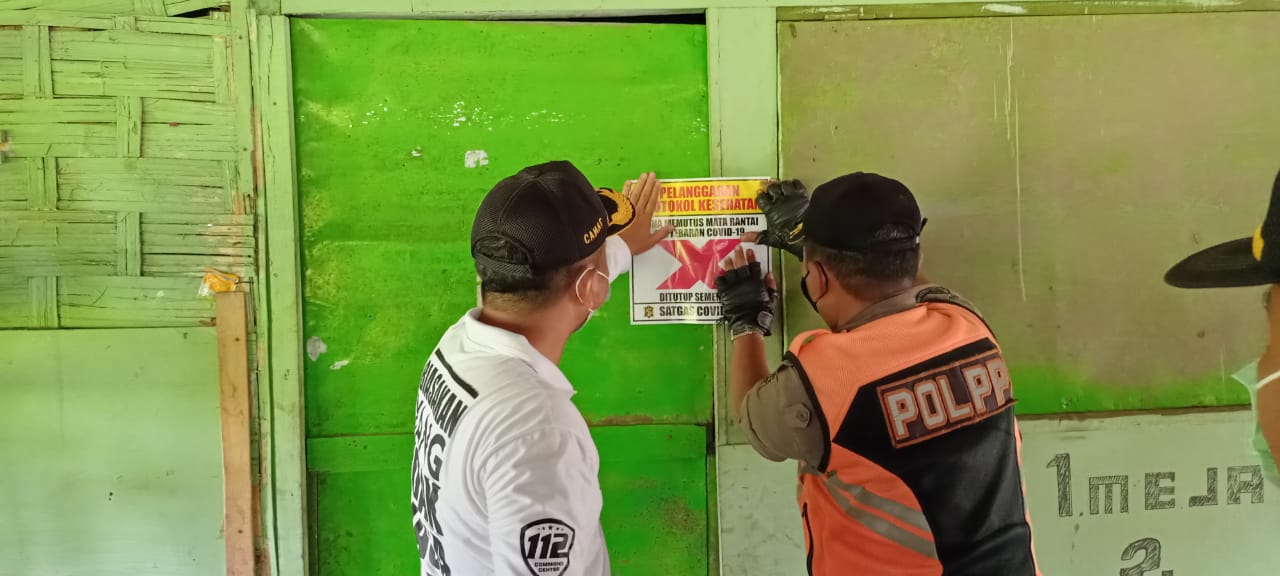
<point x="783" y="204"/>
<point x="746" y="302"/>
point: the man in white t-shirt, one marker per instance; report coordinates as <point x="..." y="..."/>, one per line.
<point x="504" y="470"/>
<point x="1249" y="262"/>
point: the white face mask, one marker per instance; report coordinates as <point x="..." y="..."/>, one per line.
<point x="577" y="291"/>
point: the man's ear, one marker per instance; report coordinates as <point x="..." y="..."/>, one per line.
<point x="818" y="279"/>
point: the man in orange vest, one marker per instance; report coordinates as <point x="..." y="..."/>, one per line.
<point x="899" y="414"/>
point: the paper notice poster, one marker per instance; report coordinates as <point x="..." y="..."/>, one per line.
<point x="674" y="283"/>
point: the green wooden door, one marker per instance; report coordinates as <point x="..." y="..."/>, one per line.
<point x="402" y="126"/>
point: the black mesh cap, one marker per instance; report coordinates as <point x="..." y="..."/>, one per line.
<point x="1242" y="262"/>
<point x="550" y="215"/>
<point x="847" y="212"/>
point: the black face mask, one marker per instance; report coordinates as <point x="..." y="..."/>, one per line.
<point x="804" y="289"/>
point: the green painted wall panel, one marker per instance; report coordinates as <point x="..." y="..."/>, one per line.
<point x="110" y="441"/>
<point x="1063" y="172"/>
<point x="387" y="198"/>
<point x="397" y="144"/>
<point x="653" y="479"/>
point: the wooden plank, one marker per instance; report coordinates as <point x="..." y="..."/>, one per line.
<point x="191" y="200"/>
<point x="128" y="244"/>
<point x="280" y="245"/>
<point x="44" y="301"/>
<point x="235" y="395"/>
<point x="190" y="141"/>
<point x="187" y="265"/>
<point x="98" y="6"/>
<point x="58" y="261"/>
<point x="266" y="7"/>
<point x="33" y="228"/>
<point x="177" y="7"/>
<point x="15" y="302"/>
<point x="166" y="111"/>
<point x="10" y="76"/>
<point x="242" y="97"/>
<point x="211" y="220"/>
<point x="194" y="26"/>
<point x="212" y="246"/>
<point x="37" y="77"/>
<point x="11" y="43"/>
<point x="221" y="74"/>
<point x="91" y="78"/>
<point x="14" y="186"/>
<point x="35" y="243"/>
<point x="139" y="173"/>
<point x="53" y="18"/>
<point x="114" y="301"/>
<point x="32" y="233"/>
<point x="73" y="140"/>
<point x="160" y="232"/>
<point x="131" y="47"/>
<point x="124" y="23"/>
<point x="128" y="126"/>
<point x="60" y="110"/>
<point x="43" y="183"/>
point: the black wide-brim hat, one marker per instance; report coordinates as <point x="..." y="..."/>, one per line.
<point x="1241" y="262"/>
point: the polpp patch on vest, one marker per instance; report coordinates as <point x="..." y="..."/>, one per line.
<point x="545" y="545"/>
<point x="940" y="399"/>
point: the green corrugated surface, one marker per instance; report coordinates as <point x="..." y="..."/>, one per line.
<point x="387" y="201"/>
<point x="1062" y="172"/>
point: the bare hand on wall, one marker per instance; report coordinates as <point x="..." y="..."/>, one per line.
<point x="643" y="193"/>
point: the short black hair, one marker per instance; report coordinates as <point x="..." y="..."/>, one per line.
<point x="871" y="275"/>
<point x="519" y="292"/>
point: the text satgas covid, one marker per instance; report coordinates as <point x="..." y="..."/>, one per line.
<point x="709" y="311"/>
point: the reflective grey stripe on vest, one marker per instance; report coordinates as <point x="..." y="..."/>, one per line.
<point x="843" y="491"/>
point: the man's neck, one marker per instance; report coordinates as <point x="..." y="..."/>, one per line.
<point x="544" y="334"/>
<point x="857" y="311"/>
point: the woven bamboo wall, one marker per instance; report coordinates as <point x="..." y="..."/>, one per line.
<point x="128" y="169"/>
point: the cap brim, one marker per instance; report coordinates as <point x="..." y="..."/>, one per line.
<point x="619" y="209"/>
<point x="1227" y="265"/>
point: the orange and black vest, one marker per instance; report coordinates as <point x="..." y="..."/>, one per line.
<point x="922" y="473"/>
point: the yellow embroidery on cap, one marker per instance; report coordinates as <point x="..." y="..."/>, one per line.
<point x="1258" y="244"/>
<point x="625" y="212"/>
<point x="593" y="232"/>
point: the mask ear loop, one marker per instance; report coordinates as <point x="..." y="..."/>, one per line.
<point x="577" y="286"/>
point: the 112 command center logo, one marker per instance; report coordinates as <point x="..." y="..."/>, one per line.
<point x="545" y="545"/>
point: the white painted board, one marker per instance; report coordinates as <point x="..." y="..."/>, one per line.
<point x="1187" y="488"/>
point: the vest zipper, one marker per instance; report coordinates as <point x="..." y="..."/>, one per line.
<point x="804" y="513"/>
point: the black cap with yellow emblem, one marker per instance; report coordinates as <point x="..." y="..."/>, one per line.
<point x="1242" y="262"/>
<point x="543" y="218"/>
